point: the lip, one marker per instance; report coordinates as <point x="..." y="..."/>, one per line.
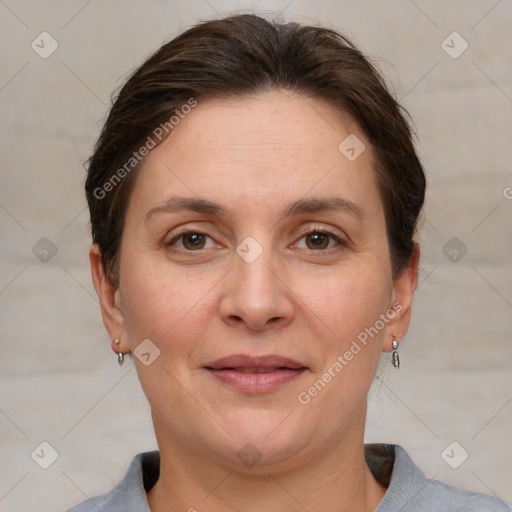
<point x="260" y="374"/>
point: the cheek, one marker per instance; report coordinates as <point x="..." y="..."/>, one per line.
<point x="162" y="304"/>
<point x="350" y="341"/>
<point x="348" y="300"/>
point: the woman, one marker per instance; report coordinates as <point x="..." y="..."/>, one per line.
<point x="254" y="196"/>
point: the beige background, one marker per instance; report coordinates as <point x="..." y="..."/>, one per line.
<point x="59" y="381"/>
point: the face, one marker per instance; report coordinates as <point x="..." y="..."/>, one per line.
<point x="255" y="259"/>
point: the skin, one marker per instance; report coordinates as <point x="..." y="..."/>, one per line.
<point x="254" y="156"/>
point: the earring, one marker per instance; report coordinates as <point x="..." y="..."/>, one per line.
<point x="120" y="355"/>
<point x="394" y="358"/>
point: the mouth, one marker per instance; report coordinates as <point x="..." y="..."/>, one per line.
<point x="256" y="370"/>
<point x="255" y="374"/>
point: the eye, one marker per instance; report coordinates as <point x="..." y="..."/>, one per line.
<point x="316" y="239"/>
<point x="189" y="240"/>
<point x="320" y="239"/>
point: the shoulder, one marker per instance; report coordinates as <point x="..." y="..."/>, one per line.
<point x="130" y="494"/>
<point x="447" y="498"/>
<point x="410" y="491"/>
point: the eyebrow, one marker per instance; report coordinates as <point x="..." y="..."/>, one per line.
<point x="302" y="206"/>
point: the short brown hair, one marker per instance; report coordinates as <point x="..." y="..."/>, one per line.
<point x="247" y="54"/>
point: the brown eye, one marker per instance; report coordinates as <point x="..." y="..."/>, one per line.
<point x="317" y="240"/>
<point x="193" y="241"/>
<point x="320" y="239"/>
<point x="190" y="241"/>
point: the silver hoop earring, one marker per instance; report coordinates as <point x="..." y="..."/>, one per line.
<point x="120" y="355"/>
<point x="394" y="357"/>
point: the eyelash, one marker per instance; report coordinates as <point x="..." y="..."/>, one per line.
<point x="310" y="230"/>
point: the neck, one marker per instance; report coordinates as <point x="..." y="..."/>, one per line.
<point x="338" y="480"/>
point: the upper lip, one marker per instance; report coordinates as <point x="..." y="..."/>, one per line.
<point x="244" y="361"/>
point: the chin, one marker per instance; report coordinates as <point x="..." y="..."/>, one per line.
<point x="262" y="439"/>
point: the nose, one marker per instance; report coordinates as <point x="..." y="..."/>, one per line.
<point x="256" y="295"/>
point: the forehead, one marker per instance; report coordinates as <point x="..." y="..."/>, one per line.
<point x="275" y="120"/>
<point x="278" y="144"/>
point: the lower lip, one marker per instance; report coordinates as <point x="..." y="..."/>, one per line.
<point x="257" y="382"/>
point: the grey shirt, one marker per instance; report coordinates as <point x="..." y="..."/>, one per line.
<point x="408" y="490"/>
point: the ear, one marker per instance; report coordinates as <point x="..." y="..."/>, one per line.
<point x="404" y="288"/>
<point x="109" y="298"/>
